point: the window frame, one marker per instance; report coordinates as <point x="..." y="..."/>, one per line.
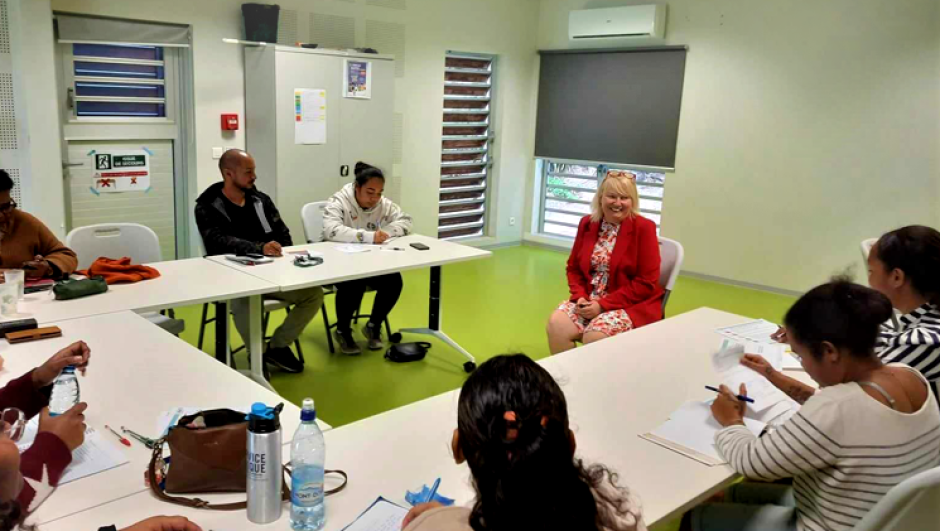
<point x="171" y="64"/>
<point x="543" y="174"/>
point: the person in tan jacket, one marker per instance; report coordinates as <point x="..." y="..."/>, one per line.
<point x="26" y="243"/>
<point x="512" y="430"/>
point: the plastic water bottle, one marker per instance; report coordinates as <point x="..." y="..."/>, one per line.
<point x="307" y="455"/>
<point x="65" y="392"/>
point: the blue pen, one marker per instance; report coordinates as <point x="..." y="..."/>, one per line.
<point x="433" y="491"/>
<point x="739" y="397"/>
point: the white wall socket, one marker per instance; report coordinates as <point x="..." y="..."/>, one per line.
<point x="512" y="222"/>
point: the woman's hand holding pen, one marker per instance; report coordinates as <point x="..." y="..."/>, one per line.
<point x="728" y="409"/>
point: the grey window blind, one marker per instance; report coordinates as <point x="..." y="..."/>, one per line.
<point x="465" y="148"/>
<point x="615" y="107"/>
<point x="73" y="28"/>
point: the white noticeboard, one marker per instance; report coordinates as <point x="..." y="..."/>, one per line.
<point x="309" y="116"/>
<point x="121" y="171"/>
<point x="357" y="81"/>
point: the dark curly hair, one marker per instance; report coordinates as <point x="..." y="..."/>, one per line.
<point x="524" y="471"/>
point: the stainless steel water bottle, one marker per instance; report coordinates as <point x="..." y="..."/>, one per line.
<point x="264" y="463"/>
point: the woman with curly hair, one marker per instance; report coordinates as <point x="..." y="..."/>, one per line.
<point x="512" y="430"/>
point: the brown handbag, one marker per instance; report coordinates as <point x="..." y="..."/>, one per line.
<point x="211" y="458"/>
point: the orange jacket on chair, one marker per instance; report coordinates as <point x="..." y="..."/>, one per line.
<point x="116" y="271"/>
<point x="633" y="283"/>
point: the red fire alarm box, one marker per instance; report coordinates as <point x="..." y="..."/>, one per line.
<point x="230" y="122"/>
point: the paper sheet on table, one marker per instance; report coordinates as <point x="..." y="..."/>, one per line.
<point x="790" y="362"/>
<point x="309" y="116"/>
<point x="758" y="331"/>
<point x="691" y="431"/>
<point x="727" y="364"/>
<point x="383" y="515"/>
<point x="94" y="455"/>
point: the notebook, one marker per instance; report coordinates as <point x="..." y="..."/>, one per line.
<point x="382" y="515"/>
<point x="690" y="431"/>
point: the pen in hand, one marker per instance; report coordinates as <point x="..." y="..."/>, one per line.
<point x="433" y="491"/>
<point x="739" y="397"/>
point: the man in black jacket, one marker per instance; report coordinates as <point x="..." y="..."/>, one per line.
<point x="235" y="218"/>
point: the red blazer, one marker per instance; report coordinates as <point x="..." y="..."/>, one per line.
<point x="633" y="283"/>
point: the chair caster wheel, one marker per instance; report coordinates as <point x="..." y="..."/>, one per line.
<point x="469" y="367"/>
<point x="395" y="338"/>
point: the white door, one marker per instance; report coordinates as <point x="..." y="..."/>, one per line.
<point x="366" y="124"/>
<point x="121" y="101"/>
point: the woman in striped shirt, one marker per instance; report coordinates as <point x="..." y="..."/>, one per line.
<point x="869" y="427"/>
<point x="904" y="264"/>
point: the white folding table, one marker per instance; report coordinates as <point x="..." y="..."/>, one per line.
<point x="339" y="266"/>
<point x="137" y="371"/>
<point x="181" y="283"/>
<point x="616" y="389"/>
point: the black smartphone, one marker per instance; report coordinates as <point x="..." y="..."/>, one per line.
<point x="256" y="256"/>
<point x="420" y="246"/>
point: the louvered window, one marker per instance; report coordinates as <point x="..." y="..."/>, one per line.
<point x="111" y="80"/>
<point x="568" y="190"/>
<point x="465" y="150"/>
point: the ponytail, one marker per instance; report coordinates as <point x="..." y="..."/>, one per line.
<point x="915" y="250"/>
<point x="364" y="172"/>
<point x="513" y="430"/>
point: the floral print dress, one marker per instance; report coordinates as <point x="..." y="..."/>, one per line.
<point x="608" y="323"/>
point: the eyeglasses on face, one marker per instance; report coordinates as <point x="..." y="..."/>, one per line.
<point x="7" y="207"/>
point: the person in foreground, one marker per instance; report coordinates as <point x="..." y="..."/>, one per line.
<point x="26" y="243"/>
<point x="869" y="427"/>
<point x="613" y="270"/>
<point x="28" y="479"/>
<point x="234" y="217"/>
<point x="903" y="265"/>
<point x="359" y="214"/>
<point x="512" y="430"/>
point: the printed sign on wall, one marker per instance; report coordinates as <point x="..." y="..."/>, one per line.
<point x="358" y="79"/>
<point x="121" y="171"/>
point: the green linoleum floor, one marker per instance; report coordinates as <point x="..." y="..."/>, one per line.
<point x="490" y="307"/>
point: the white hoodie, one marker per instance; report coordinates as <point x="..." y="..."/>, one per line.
<point x="345" y="221"/>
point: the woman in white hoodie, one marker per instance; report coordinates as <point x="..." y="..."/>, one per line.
<point x="358" y="213"/>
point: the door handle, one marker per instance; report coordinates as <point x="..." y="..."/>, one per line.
<point x="72" y="164"/>
<point x="344" y="170"/>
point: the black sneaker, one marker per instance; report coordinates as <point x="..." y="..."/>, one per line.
<point x="373" y="334"/>
<point x="283" y="358"/>
<point x="347" y="345"/>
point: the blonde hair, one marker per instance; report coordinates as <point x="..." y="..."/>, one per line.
<point x="621" y="182"/>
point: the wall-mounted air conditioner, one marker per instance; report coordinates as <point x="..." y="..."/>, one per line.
<point x="616" y="26"/>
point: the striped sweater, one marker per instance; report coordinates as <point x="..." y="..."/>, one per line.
<point x="914" y="341"/>
<point x="844" y="451"/>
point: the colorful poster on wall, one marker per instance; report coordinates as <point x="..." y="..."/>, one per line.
<point x="358" y="79"/>
<point x="309" y="116"/>
<point x="121" y="171"/>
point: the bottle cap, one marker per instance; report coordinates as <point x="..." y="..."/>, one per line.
<point x="308" y="411"/>
<point x="264" y="419"/>
<point x="68" y="369"/>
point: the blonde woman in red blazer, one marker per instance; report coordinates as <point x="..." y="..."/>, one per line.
<point x="613" y="270"/>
